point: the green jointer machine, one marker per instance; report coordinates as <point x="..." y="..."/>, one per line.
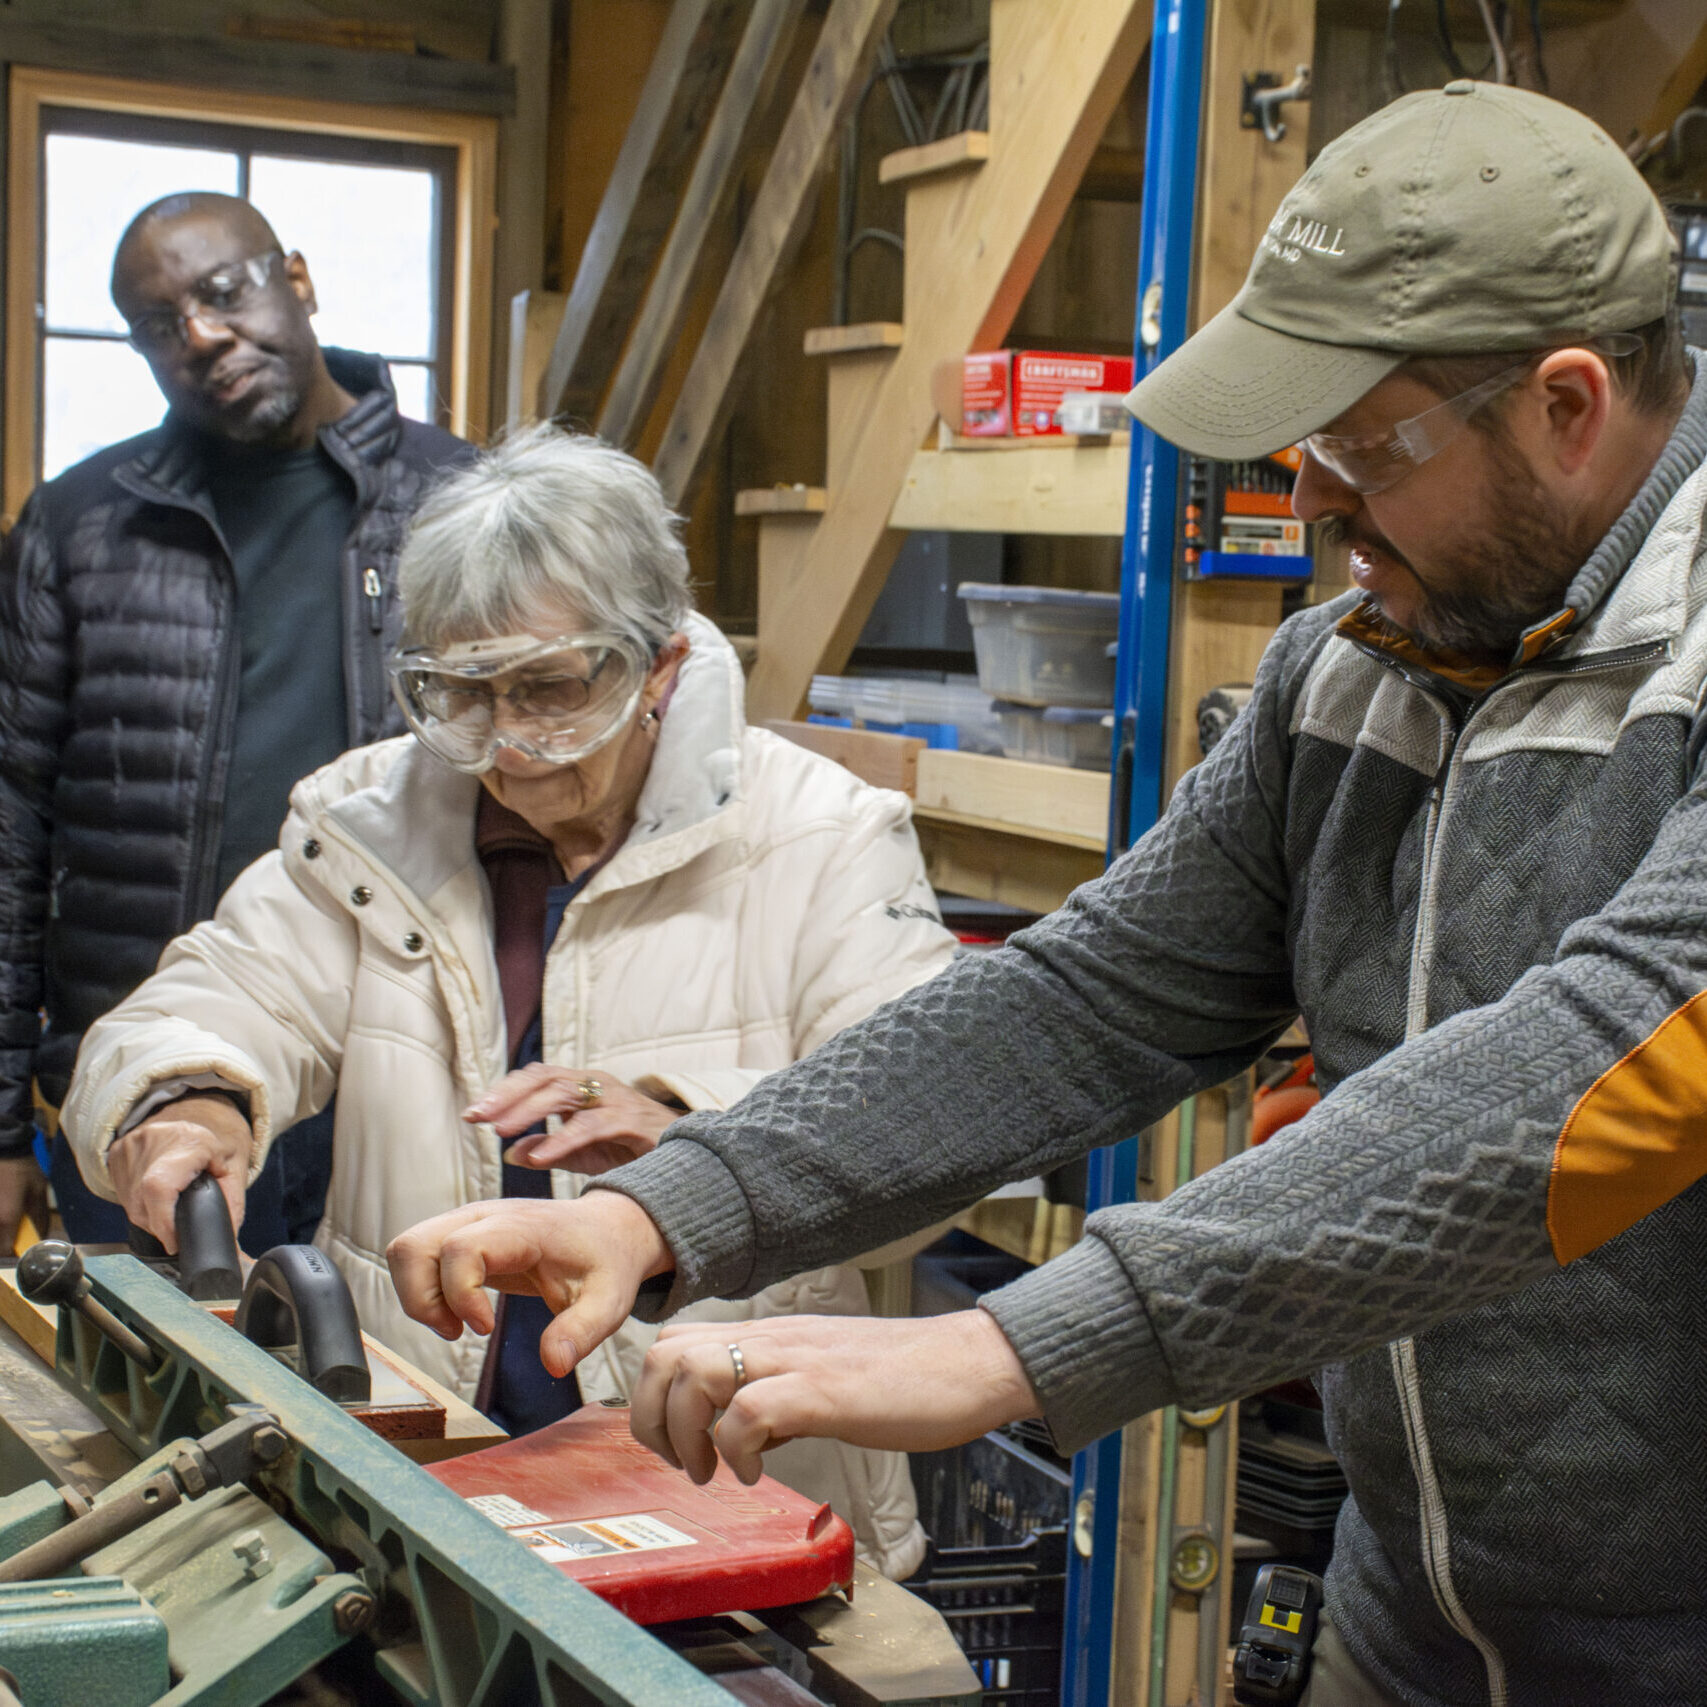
<point x="186" y="1521"/>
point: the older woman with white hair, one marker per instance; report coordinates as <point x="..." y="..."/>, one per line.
<point x="581" y="898"/>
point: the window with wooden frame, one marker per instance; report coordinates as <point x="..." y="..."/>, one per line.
<point x="385" y="205"/>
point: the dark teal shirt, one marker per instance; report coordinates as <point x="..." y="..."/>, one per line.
<point x="286" y="516"/>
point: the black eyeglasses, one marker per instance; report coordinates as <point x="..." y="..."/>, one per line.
<point x="218" y="299"/>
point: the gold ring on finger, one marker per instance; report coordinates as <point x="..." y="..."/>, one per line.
<point x="590" y="1090"/>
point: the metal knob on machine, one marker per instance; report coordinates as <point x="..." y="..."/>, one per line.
<point x="51" y="1272"/>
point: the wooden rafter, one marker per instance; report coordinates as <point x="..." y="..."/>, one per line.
<point x="708" y="198"/>
<point x="847" y="44"/>
<point x="639" y="203"/>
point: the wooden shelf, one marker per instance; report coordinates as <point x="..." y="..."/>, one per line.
<point x="952" y="154"/>
<point x="948" y="439"/>
<point x="1047" y="803"/>
<point x="855" y="340"/>
<point x="1037" y="486"/>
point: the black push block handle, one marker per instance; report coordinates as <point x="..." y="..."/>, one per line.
<point x="207" y="1262"/>
<point x="295" y="1297"/>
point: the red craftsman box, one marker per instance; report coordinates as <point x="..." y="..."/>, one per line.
<point x="587" y="1497"/>
<point x="1017" y="393"/>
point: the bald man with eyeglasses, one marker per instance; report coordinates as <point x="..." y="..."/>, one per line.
<point x="190" y="621"/>
<point x="1461" y="828"/>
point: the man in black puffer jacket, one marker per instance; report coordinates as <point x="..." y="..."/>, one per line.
<point x="189" y="622"/>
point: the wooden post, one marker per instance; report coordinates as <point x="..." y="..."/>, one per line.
<point x="535" y="316"/>
<point x="639" y="202"/>
<point x="524" y="45"/>
<point x="709" y="195"/>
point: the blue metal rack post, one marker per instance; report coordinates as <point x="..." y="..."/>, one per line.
<point x="1146" y="579"/>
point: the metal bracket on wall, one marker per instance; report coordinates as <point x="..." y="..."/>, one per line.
<point x="1263" y="95"/>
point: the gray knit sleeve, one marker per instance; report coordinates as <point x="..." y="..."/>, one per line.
<point x="1164" y="976"/>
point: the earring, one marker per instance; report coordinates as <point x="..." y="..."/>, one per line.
<point x="650" y="720"/>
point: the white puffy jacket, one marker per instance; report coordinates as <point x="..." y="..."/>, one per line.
<point x="764" y="899"/>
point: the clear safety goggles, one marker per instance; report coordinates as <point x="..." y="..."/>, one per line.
<point x="1371" y="462"/>
<point x="557" y="700"/>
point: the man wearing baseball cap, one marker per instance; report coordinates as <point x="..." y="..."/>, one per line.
<point x="1462" y="830"/>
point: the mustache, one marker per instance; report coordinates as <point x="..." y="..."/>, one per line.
<point x="1354" y="531"/>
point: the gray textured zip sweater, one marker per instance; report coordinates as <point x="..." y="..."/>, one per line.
<point x="1492" y="912"/>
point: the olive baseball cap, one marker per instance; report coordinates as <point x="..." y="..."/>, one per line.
<point x="1457" y="221"/>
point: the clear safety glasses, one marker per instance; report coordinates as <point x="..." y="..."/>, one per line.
<point x="557" y="700"/>
<point x="1371" y="462"/>
<point x="217" y="300"/>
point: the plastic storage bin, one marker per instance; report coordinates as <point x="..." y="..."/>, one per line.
<point x="1043" y="645"/>
<point x="1057" y="735"/>
<point x="902" y="704"/>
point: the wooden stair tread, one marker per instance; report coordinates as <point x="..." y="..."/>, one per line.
<point x="781" y="501"/>
<point x="851" y="340"/>
<point x="952" y="154"/>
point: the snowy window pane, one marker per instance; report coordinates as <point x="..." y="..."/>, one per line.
<point x="95" y="392"/>
<point x="95" y="185"/>
<point x="414" y="391"/>
<point x="370" y="237"/>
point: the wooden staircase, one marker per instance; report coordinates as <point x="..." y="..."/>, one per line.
<point x="981" y="208"/>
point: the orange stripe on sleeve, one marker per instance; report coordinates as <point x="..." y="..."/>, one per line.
<point x="1637" y="1137"/>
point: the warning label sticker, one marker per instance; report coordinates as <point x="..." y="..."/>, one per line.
<point x="594" y="1537"/>
<point x="506" y="1512"/>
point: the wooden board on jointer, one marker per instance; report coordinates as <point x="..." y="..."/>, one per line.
<point x="965" y="149"/>
<point x="706" y="202"/>
<point x="974" y="242"/>
<point x="885" y="761"/>
<point x="639" y="201"/>
<point x="776" y="223"/>
<point x="438" y="1425"/>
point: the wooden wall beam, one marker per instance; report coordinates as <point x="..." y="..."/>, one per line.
<point x="640" y="201"/>
<point x="710" y="193"/>
<point x="228" y="63"/>
<point x="781" y="212"/>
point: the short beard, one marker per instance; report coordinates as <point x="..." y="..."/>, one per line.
<point x="269" y="417"/>
<point x="1506" y="580"/>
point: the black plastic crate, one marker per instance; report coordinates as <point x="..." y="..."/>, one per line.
<point x="996" y="1515"/>
<point x="1004" y="1605"/>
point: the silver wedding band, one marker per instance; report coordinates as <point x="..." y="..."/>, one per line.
<point x="740" y="1363"/>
